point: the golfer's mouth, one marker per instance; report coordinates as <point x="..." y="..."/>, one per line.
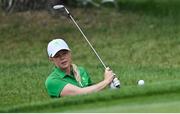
<point x="64" y="62"/>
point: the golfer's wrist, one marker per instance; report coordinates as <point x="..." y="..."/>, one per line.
<point x="106" y="81"/>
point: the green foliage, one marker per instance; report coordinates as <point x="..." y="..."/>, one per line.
<point x="152" y="7"/>
<point x="139" y="41"/>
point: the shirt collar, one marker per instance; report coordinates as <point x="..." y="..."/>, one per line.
<point x="62" y="73"/>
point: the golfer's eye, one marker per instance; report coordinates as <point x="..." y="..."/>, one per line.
<point x="64" y="52"/>
<point x="57" y="55"/>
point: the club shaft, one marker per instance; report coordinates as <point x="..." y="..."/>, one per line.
<point x="87" y="41"/>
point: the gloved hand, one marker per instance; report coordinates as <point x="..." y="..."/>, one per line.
<point x="115" y="83"/>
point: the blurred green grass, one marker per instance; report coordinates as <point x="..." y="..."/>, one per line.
<point x="140" y="40"/>
<point x="167" y="91"/>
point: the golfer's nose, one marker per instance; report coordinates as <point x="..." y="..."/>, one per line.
<point x="62" y="57"/>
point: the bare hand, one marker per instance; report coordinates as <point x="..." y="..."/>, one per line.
<point x="108" y="75"/>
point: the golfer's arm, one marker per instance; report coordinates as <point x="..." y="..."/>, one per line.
<point x="70" y="89"/>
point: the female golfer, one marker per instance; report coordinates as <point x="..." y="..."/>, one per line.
<point x="67" y="78"/>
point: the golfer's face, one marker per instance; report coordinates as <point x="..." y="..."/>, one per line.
<point x="62" y="59"/>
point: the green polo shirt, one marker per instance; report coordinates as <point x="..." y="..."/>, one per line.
<point x="58" y="79"/>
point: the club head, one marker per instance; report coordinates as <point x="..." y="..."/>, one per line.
<point x="62" y="10"/>
<point x="57" y="7"/>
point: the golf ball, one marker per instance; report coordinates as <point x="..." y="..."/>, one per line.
<point x="141" y="82"/>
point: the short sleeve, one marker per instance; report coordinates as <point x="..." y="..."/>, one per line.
<point x="85" y="77"/>
<point x="54" y="86"/>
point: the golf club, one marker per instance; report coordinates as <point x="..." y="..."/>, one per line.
<point x="115" y="83"/>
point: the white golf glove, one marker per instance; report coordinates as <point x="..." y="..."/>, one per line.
<point x="115" y="83"/>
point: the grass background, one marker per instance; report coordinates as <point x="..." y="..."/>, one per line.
<point x="139" y="40"/>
